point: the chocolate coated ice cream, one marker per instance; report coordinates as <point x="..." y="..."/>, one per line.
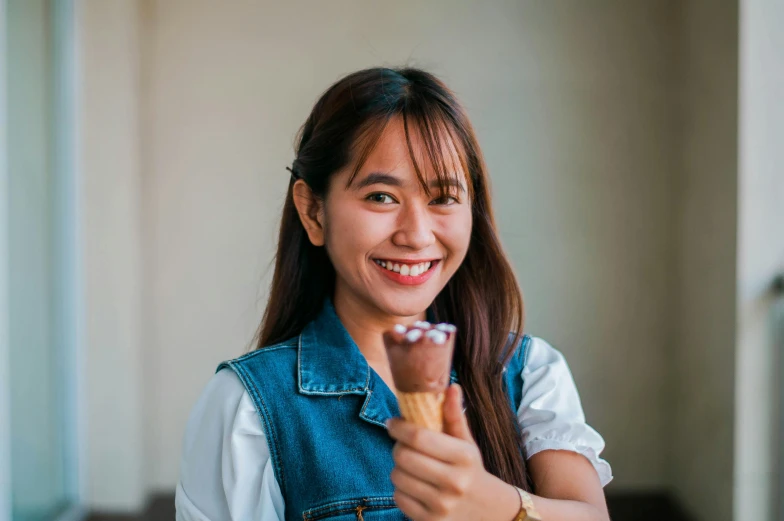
<point x="420" y="357"/>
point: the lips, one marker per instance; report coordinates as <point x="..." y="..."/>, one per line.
<point x="407" y="273"/>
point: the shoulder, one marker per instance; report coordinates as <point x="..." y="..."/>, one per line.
<point x="277" y="350"/>
<point x="548" y="383"/>
<point x="273" y="361"/>
<point x="539" y="353"/>
<point x="551" y="414"/>
<point x="223" y="404"/>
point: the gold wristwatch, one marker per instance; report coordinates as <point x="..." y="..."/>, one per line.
<point x="527" y="510"/>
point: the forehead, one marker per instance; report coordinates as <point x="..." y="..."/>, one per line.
<point x="413" y="156"/>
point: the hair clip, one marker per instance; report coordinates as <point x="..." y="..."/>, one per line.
<point x="294" y="174"/>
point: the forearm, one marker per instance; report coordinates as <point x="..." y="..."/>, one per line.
<point x="567" y="510"/>
<point x="504" y="504"/>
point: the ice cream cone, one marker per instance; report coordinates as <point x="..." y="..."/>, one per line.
<point x="424" y="409"/>
<point x="420" y="360"/>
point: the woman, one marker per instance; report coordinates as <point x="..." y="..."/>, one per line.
<point x="388" y="220"/>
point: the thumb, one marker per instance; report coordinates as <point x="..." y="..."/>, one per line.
<point x="455" y="422"/>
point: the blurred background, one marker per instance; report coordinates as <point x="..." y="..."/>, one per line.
<point x="635" y="150"/>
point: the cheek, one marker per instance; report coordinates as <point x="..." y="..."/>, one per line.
<point x="352" y="233"/>
<point x="456" y="234"/>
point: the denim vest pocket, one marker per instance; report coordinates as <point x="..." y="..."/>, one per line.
<point x="357" y="509"/>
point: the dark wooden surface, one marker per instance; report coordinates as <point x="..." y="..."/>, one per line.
<point x="159" y="508"/>
<point x="644" y="507"/>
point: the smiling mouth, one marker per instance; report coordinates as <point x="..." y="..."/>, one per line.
<point x="412" y="270"/>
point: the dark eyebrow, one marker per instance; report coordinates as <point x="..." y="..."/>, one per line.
<point x="378" y="178"/>
<point x="388" y="179"/>
<point x="450" y="181"/>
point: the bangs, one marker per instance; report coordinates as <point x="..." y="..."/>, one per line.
<point x="433" y="139"/>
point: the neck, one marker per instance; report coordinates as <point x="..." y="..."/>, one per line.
<point x="366" y="324"/>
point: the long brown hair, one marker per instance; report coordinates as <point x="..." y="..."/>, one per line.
<point x="482" y="299"/>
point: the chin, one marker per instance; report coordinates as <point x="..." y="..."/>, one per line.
<point x="404" y="306"/>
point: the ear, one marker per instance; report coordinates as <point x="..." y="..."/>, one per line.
<point x="311" y="211"/>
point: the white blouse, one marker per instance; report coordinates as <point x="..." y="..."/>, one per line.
<point x="226" y="472"/>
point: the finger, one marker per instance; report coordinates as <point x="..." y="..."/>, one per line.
<point x="455" y="421"/>
<point x="410" y="506"/>
<point x="423" y="491"/>
<point x="438" y="445"/>
<point x="427" y="469"/>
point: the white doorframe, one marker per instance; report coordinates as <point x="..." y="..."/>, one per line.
<point x="68" y="264"/>
<point x="66" y="136"/>
<point x="778" y="334"/>
<point x="5" y="399"/>
<point x="70" y="302"/>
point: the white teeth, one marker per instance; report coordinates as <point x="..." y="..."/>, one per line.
<point x="412" y="270"/>
<point x="414" y="335"/>
<point x="400" y="328"/>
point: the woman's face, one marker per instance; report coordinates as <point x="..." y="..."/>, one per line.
<point x="393" y="246"/>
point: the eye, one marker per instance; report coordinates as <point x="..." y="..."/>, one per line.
<point x="444" y="200"/>
<point x="379" y="197"/>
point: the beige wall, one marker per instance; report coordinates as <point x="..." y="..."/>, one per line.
<point x="703" y="358"/>
<point x="758" y="442"/>
<point x="610" y="133"/>
<point x="614" y="142"/>
<point x="109" y="156"/>
<point x="574" y="110"/>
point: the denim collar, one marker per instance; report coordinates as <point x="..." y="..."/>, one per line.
<point x="329" y="363"/>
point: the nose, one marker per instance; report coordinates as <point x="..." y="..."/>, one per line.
<point x="415" y="228"/>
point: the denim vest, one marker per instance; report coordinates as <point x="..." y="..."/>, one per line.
<point x="323" y="410"/>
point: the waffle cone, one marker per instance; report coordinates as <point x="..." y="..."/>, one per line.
<point x="424" y="409"/>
